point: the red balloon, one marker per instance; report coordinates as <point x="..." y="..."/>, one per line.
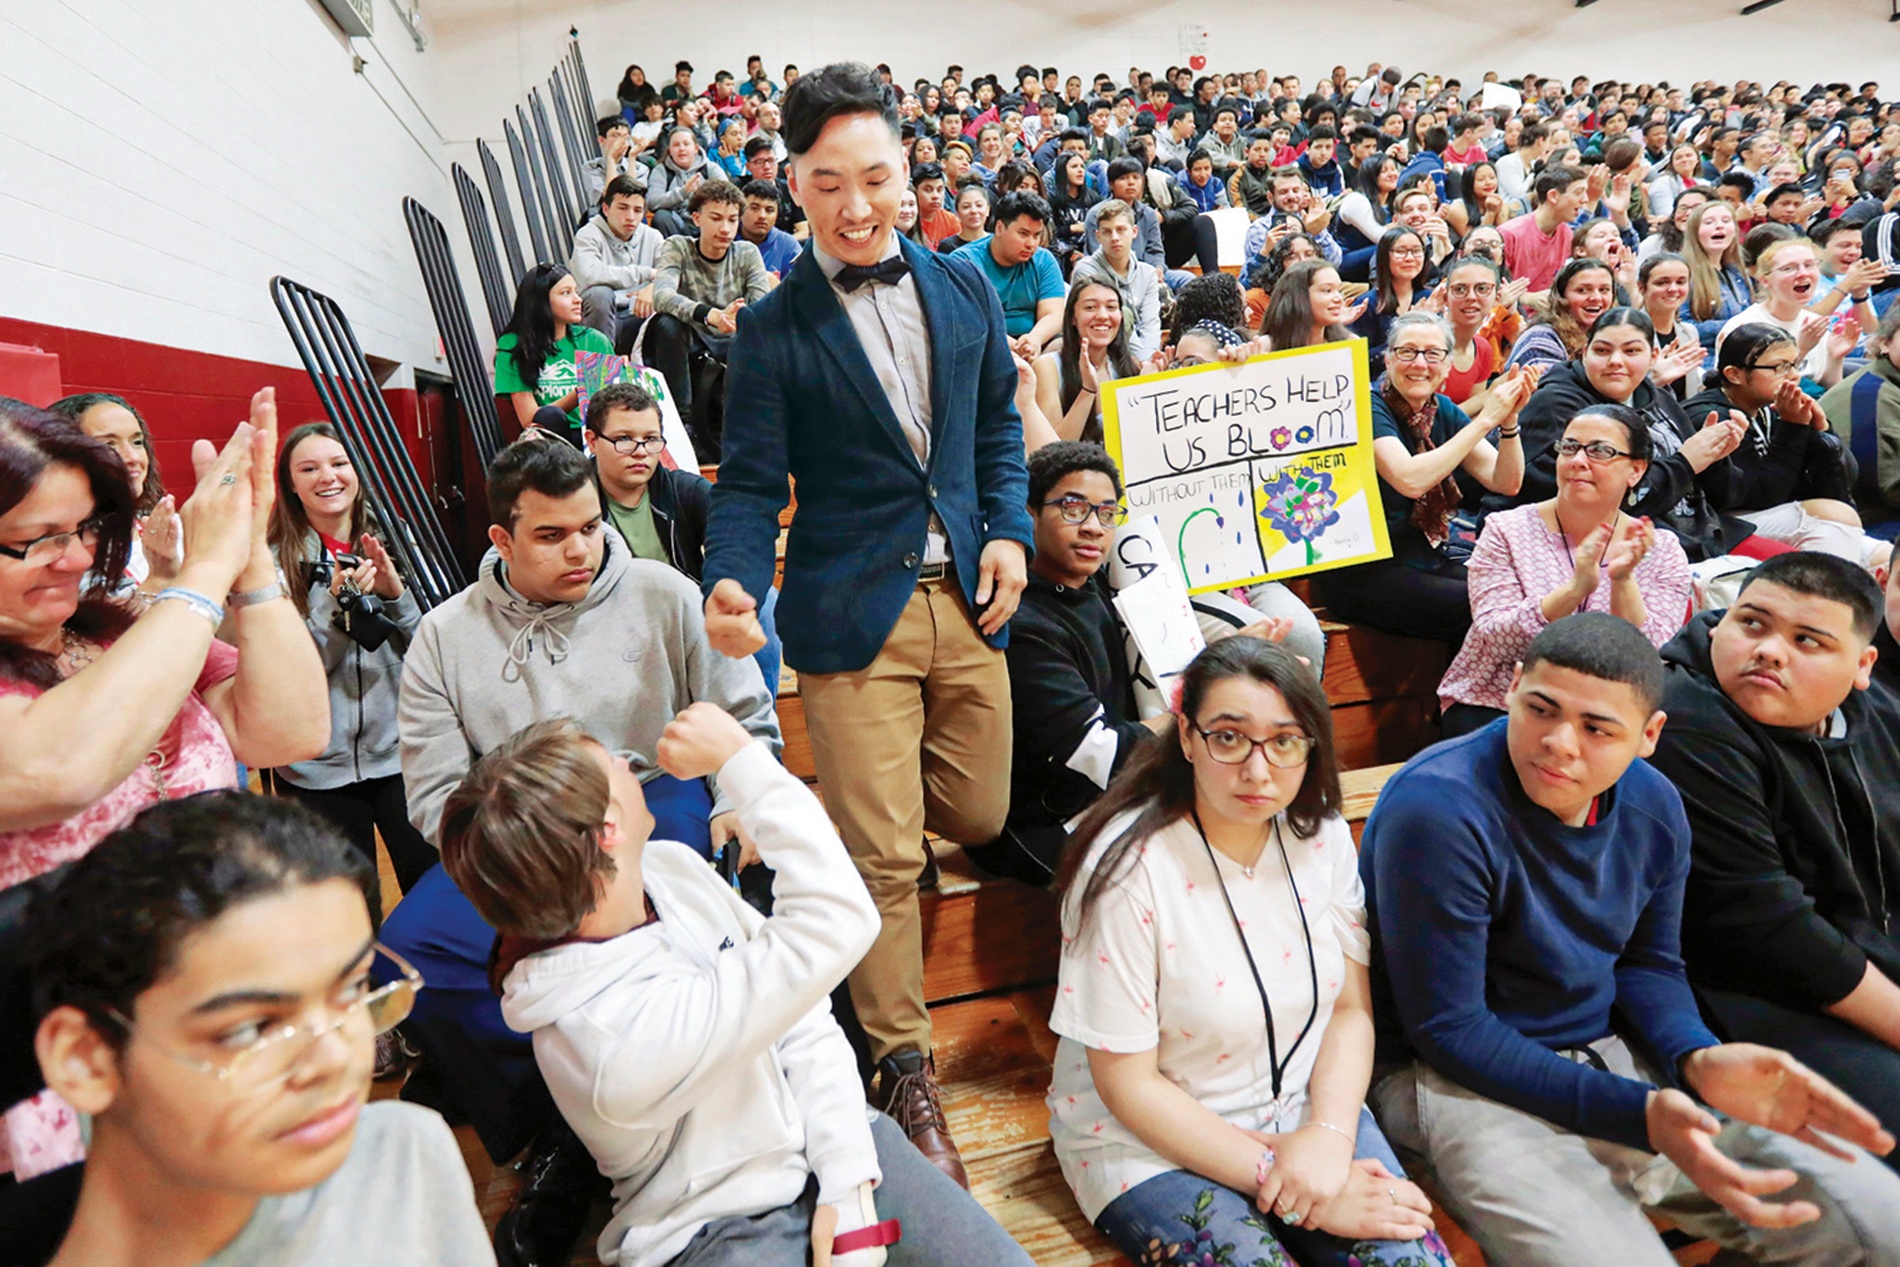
<point x="1197" y="62"/>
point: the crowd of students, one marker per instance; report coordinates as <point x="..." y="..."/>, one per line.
<point x="1620" y="946"/>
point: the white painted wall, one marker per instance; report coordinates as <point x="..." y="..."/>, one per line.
<point x="493" y="50"/>
<point x="161" y="160"/>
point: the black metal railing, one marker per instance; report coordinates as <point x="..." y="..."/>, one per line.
<point x="354" y="402"/>
<point x="497" y="291"/>
<point x="474" y="390"/>
<point x="504" y="216"/>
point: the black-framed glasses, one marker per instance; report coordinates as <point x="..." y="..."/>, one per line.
<point x="1286" y="750"/>
<point x="635" y="444"/>
<point x="43" y="550"/>
<point x="1779" y="368"/>
<point x="1076" y="510"/>
<point x="258" y="1061"/>
<point x="1481" y="290"/>
<point x="1595" y="450"/>
<point x="1405" y="356"/>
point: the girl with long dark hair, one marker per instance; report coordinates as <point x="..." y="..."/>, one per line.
<point x="535" y="357"/>
<point x="1363" y="214"/>
<point x="156" y="541"/>
<point x="1478" y="201"/>
<point x="1214" y="1005"/>
<point x="1094" y="350"/>
<point x="1308" y="306"/>
<point x="1398" y="274"/>
<point x="331" y="554"/>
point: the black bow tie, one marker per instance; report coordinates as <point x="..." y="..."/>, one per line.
<point x="889" y="271"/>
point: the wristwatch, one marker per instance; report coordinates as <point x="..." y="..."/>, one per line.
<point x="251" y="598"/>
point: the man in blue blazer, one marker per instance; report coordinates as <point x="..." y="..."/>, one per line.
<point x="879" y="377"/>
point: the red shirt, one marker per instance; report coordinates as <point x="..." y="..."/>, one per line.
<point x="1531" y="254"/>
<point x="936" y="226"/>
<point x="1459" y="384"/>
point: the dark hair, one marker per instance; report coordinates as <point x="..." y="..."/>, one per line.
<point x="1123" y="167"/>
<point x="1388" y="300"/>
<point x="1825" y="576"/>
<point x="925" y="171"/>
<point x="113" y="926"/>
<point x="756" y="146"/>
<point x="1158" y="780"/>
<point x="1210" y="297"/>
<point x="1016" y="174"/>
<point x="31" y="440"/>
<point x="1274" y="262"/>
<point x="1069" y="356"/>
<point x="1052" y="463"/>
<point x="1556" y="308"/>
<point x="1434" y="139"/>
<point x="533" y="321"/>
<point x="1622" y="315"/>
<point x="1366" y="181"/>
<point x="1553" y="180"/>
<point x="831" y="92"/>
<point x="622" y="187"/>
<point x="1639" y="442"/>
<point x="1655" y="262"/>
<point x="549" y="468"/>
<point x="629" y="396"/>
<point x="1322" y="132"/>
<point x="1468" y="192"/>
<point x="1742" y="347"/>
<point x="720" y="191"/>
<point x="1021" y="202"/>
<point x="1603" y="646"/>
<point x="1289" y="319"/>
<point x="74" y="407"/>
<point x="608" y="123"/>
<point x="763" y="190"/>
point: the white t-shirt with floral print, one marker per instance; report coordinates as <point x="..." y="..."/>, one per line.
<point x="1161" y="966"/>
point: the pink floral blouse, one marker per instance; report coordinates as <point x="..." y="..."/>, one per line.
<point x="193" y="755"/>
<point x="1517" y="563"/>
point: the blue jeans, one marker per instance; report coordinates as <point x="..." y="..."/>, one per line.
<point x="457" y="1022"/>
<point x="1182" y="1218"/>
<point x="772" y="654"/>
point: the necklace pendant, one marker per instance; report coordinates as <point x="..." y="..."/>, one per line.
<point x="1247" y="872"/>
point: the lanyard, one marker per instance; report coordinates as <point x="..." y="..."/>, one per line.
<point x="1276" y="1067"/>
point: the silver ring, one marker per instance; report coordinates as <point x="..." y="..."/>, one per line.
<point x="1287" y="1214"/>
<point x="229" y="479"/>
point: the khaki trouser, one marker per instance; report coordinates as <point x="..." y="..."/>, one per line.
<point x="918" y="738"/>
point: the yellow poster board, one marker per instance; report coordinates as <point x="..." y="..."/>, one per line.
<point x="1257" y="471"/>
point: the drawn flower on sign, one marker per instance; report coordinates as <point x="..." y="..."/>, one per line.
<point x="1301" y="506"/>
<point x="1281" y="437"/>
<point x="1304" y="435"/>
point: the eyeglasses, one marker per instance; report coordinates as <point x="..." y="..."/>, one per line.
<point x="1595" y="450"/>
<point x="1230" y="747"/>
<point x="1791" y="270"/>
<point x="1406" y="356"/>
<point x="636" y="444"/>
<point x="1076" y="510"/>
<point x="49" y="548"/>
<point x="1782" y="368"/>
<point x="1482" y="290"/>
<point x="1408" y="252"/>
<point x="269" y="1055"/>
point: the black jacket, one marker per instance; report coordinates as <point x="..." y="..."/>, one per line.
<point x="1794" y="464"/>
<point x="1795" y="864"/>
<point x="1067" y="667"/>
<point x="680" y="501"/>
<point x="1887" y="667"/>
<point x="1672" y="494"/>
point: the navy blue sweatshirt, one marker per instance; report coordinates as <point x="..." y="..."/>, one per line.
<point x="1501" y="934"/>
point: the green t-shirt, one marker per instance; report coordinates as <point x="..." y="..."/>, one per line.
<point x="559" y="375"/>
<point x="635" y="524"/>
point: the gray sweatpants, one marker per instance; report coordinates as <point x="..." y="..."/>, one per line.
<point x="1533" y="1195"/>
<point x="943" y="1224"/>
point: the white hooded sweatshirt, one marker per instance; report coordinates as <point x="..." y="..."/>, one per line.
<point x="696" y="1056"/>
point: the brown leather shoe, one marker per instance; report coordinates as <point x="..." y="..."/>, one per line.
<point x="907" y="1090"/>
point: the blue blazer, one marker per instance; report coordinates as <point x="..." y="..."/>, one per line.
<point x="801" y="399"/>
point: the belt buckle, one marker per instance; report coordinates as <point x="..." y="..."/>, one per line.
<point x="932" y="572"/>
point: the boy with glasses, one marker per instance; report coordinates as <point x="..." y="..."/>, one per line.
<point x="203" y="981"/>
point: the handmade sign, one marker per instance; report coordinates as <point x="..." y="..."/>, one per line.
<point x="1258" y="471"/>
<point x="598" y="369"/>
<point x="1163" y="634"/>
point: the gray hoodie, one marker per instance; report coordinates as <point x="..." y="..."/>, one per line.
<point x="363" y="684"/>
<point x="666" y="184"/>
<point x="621" y="662"/>
<point x="602" y="259"/>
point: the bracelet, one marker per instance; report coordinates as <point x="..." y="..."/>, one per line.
<point x="1265" y="1164"/>
<point x="1328" y="1126"/>
<point x="204" y="605"/>
<point x="1512" y="434"/>
<point x="251" y="598"/>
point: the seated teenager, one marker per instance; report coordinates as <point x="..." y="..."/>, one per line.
<point x="1070" y="198"/>
<point x="1788" y="476"/>
<point x="688" y="1041"/>
<point x="1218" y="861"/>
<point x="1718" y="284"/>
<point x="615" y="254"/>
<point x="1025" y="276"/>
<point x="1788" y="271"/>
<point x="535" y="364"/>
<point x="778" y="250"/>
<point x="1398" y="271"/>
<point x="1420" y="441"/>
<point x="1537" y="243"/>
<point x="1582" y="291"/>
<point x="658" y="510"/>
<point x="1577" y="551"/>
<point x="1864" y="410"/>
<point x="1662" y="283"/>
<point x="1094" y="350"/>
<point x="561" y="622"/>
<point x="202" y="983"/>
<point x="1788" y="763"/>
<point x="763" y="158"/>
<point x="157" y="538"/>
<point x="1540" y="1054"/>
<point x="683" y="170"/>
<point x="1128" y="184"/>
<point x="973" y="217"/>
<point x="934" y="222"/>
<point x="1113" y="262"/>
<point x="699" y="286"/>
<point x="1307" y="307"/>
<point x="1472" y="289"/>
